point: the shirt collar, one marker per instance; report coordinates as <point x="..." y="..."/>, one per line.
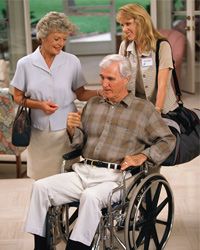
<point x="38" y="60"/>
<point x="131" y="49"/>
<point x="126" y="101"/>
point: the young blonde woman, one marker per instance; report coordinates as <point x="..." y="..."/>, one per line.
<point x="139" y="45"/>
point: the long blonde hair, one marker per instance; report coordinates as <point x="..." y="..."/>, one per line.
<point x="146" y="34"/>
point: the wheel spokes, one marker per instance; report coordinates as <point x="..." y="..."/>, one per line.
<point x="157" y="195"/>
<point x="140" y="238"/>
<point x="147" y="240"/>
<point x="155" y="237"/>
<point x="161" y="206"/>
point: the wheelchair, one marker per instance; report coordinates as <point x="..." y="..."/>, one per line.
<point x="141" y="220"/>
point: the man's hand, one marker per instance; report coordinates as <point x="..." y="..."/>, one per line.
<point x="133" y="160"/>
<point x="73" y="121"/>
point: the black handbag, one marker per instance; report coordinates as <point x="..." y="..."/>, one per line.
<point x="188" y="136"/>
<point x="21" y="130"/>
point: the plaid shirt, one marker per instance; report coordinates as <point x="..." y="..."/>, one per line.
<point x="130" y="127"/>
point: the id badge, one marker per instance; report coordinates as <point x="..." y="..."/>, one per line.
<point x="147" y="61"/>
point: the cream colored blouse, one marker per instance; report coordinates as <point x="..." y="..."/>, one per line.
<point x="143" y="80"/>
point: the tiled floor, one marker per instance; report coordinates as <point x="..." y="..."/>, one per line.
<point x="185" y="185"/>
<point x="14" y="202"/>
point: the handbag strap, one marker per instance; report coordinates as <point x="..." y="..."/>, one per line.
<point x="22" y="106"/>
<point x="174" y="75"/>
<point x="23" y="102"/>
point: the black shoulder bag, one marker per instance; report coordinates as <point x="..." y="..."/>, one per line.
<point x="21" y="130"/>
<point x="188" y="136"/>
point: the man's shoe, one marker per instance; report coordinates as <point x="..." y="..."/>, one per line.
<point x="40" y="242"/>
<point x="76" y="245"/>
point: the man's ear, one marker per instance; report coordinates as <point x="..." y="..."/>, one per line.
<point x="127" y="79"/>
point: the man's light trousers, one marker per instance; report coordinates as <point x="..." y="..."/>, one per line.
<point x="90" y="185"/>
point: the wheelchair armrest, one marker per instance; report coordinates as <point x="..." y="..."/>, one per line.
<point x="134" y="170"/>
<point x="73" y="154"/>
<point x="143" y="168"/>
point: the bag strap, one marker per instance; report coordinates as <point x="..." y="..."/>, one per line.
<point x="23" y="106"/>
<point x="174" y="75"/>
<point x="23" y="102"/>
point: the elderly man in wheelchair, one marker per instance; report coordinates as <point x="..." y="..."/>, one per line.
<point x="121" y="138"/>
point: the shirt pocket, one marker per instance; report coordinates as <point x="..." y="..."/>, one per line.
<point x="126" y="137"/>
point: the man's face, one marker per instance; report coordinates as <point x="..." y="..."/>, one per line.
<point x="113" y="83"/>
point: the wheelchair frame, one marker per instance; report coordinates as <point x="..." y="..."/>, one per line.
<point x="141" y="220"/>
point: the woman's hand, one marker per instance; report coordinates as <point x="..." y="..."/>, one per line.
<point x="49" y="107"/>
<point x="73" y="121"/>
<point x="133" y="160"/>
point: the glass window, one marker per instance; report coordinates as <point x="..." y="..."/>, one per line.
<point x="3" y="31"/>
<point x="179" y="22"/>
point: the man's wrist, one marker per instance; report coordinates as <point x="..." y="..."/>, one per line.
<point x="145" y="157"/>
<point x="70" y="131"/>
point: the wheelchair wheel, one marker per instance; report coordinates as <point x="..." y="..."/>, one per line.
<point x="67" y="220"/>
<point x="63" y="223"/>
<point x="59" y="224"/>
<point x="52" y="227"/>
<point x="150" y="215"/>
<point x="96" y="243"/>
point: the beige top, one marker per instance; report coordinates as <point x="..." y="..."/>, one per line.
<point x="143" y="82"/>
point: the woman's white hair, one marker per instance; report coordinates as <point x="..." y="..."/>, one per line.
<point x="124" y="64"/>
<point x="53" y="22"/>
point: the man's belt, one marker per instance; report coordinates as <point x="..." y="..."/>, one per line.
<point x="102" y="164"/>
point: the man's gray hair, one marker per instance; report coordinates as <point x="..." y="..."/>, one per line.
<point x="53" y="22"/>
<point x="124" y="64"/>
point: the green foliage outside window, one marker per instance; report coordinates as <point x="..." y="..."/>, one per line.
<point x="86" y="23"/>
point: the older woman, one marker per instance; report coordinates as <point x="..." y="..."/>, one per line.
<point x="139" y="45"/>
<point x="51" y="79"/>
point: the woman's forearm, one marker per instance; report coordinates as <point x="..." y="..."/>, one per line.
<point x="162" y="89"/>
